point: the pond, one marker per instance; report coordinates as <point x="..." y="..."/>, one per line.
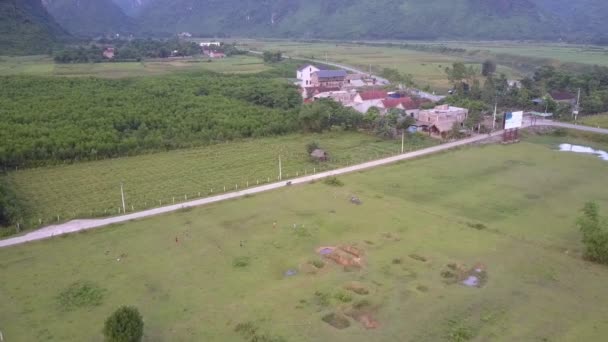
<point x="583" y="149"/>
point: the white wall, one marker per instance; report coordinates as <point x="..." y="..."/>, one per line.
<point x="305" y="75"/>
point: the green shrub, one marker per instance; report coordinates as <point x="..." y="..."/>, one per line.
<point x="343" y="297"/>
<point x="595" y="233"/>
<point x="311" y="147"/>
<point x="124" y="325"/>
<point x="81" y="294"/>
<point x="333" y="181"/>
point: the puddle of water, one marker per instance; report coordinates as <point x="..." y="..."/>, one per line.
<point x="471" y="281"/>
<point x="326" y="251"/>
<point x="583" y="149"/>
<point x="291" y="273"/>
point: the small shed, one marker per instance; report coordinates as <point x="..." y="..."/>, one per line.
<point x="319" y="155"/>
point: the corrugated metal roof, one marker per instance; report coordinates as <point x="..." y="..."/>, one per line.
<point x="330" y="73"/>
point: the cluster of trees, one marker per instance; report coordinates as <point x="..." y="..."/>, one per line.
<point x="468" y="89"/>
<point x="272" y="56"/>
<point x="129" y="50"/>
<point x="10" y="210"/>
<point x="397" y="77"/>
<point x="50" y="120"/>
<point x="595" y="233"/>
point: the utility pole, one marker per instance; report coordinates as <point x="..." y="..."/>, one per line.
<point x="402" y="141"/>
<point x="494" y="121"/>
<point x="280" y="169"/>
<point x="122" y="195"/>
<point x="577" y="107"/>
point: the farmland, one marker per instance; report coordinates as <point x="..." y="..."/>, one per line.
<point x="93" y="188"/>
<point x="561" y="53"/>
<point x="217" y="272"/>
<point x="425" y="67"/>
<point x="44" y="66"/>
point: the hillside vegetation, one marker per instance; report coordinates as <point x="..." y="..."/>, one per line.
<point x="90" y="18"/>
<point x="26" y="28"/>
<point x="380" y="19"/>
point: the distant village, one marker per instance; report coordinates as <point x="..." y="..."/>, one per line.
<point x="362" y="92"/>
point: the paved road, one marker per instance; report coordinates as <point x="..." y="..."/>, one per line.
<point x="78" y="225"/>
<point x="572" y="126"/>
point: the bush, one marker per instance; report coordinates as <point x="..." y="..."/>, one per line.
<point x="312" y="146"/>
<point x="595" y="233"/>
<point x="333" y="181"/>
<point x="124" y="325"/>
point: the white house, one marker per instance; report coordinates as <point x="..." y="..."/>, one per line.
<point x="304" y="75"/>
<point x="208" y="44"/>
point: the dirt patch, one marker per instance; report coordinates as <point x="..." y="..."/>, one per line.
<point x="352" y="250"/>
<point x="357" y="288"/>
<point x="362" y="312"/>
<point x="336" y="320"/>
<point x="349" y="256"/>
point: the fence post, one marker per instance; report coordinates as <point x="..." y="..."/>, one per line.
<point x="224" y="188"/>
<point x="174" y="200"/>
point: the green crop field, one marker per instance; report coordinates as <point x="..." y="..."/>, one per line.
<point x="600" y="120"/>
<point x="245" y="269"/>
<point x="426" y="68"/>
<point x="93" y="188"/>
<point x="40" y="65"/>
<point x="564" y="53"/>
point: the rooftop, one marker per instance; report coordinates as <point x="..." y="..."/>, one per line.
<point x="330" y="73"/>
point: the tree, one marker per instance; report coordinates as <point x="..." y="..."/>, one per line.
<point x="488" y="67"/>
<point x="272" y="56"/>
<point x="124" y="325"/>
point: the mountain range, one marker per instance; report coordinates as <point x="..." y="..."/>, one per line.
<point x="27" y="28"/>
<point x="580" y="20"/>
<point x="90" y="17"/>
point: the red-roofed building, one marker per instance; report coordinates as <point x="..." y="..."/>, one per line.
<point x="109" y="53"/>
<point x="403" y="103"/>
<point x="371" y="95"/>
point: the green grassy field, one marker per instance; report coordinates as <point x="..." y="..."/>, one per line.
<point x="41" y="65"/>
<point x="508" y="209"/>
<point x="564" y="53"/>
<point x="426" y="68"/>
<point x="599" y="120"/>
<point x="93" y="188"/>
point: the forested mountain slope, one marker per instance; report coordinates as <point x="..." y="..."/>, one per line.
<point x="357" y="19"/>
<point x="26" y="28"/>
<point x="90" y="17"/>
